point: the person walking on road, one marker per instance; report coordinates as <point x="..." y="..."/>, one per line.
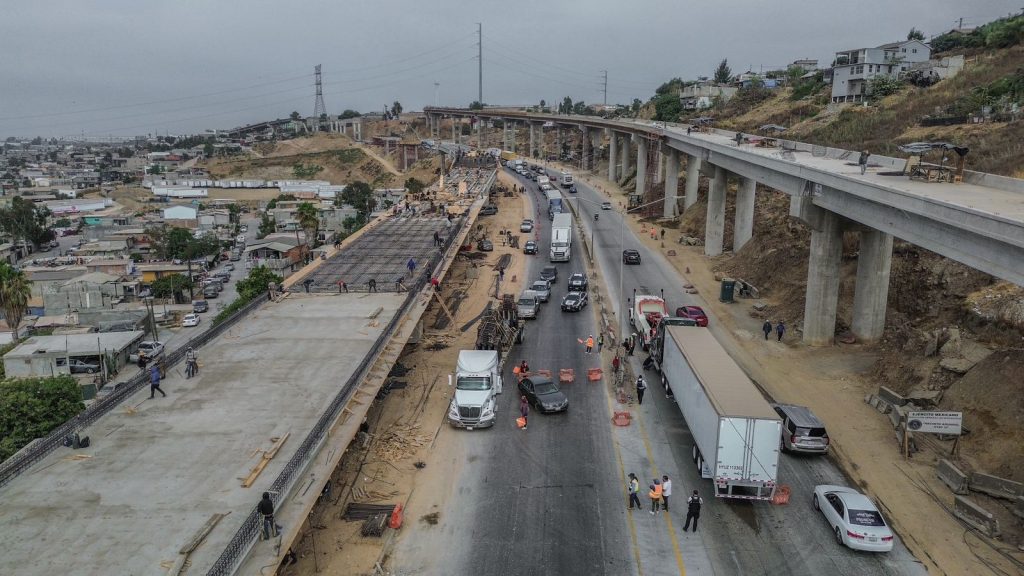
<point x="693" y="504"/>
<point x="766" y="328"/>
<point x="655" y="495"/>
<point x="780" y="329"/>
<point x="524" y="409"/>
<point x="371" y="286"/>
<point x="191" y="363"/>
<point x="600" y="342"/>
<point x="739" y="138"/>
<point x="666" y="491"/>
<point x="266" y="509"/>
<point x="863" y="161"/>
<point x="154" y="381"/>
<point x="641" y="387"/>
<point x="411" y="265"/>
<point x="634" y="491"/>
<point x="590" y="343"/>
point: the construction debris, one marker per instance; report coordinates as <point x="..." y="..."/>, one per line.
<point x="400" y="442"/>
<point x="374" y="526"/>
<point x="358" y="511"/>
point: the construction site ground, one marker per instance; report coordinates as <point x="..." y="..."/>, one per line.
<point x="405" y="451"/>
<point x="833" y="382"/>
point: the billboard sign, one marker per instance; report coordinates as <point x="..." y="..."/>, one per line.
<point x="936" y="422"/>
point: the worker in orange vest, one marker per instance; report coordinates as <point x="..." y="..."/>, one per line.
<point x="590" y="343"/>
<point x="655" y="495"/>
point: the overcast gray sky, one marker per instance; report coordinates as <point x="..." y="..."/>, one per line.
<point x="127" y="67"/>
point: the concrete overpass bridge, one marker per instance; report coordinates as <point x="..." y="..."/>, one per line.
<point x="978" y="222"/>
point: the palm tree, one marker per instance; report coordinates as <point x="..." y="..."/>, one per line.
<point x="15" y="289"/>
<point x="309" y="221"/>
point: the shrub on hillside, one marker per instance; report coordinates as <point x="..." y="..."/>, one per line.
<point x="31" y="408"/>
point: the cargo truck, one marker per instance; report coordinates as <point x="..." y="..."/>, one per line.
<point x="735" y="431"/>
<point x="561" y="237"/>
<point x="645" y="314"/>
<point x="555" y="205"/>
<point x="477" y="382"/>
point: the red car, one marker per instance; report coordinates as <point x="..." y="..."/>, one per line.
<point x="695" y="313"/>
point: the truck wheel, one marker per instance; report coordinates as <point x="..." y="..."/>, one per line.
<point x="700" y="465"/>
<point x="695" y="452"/>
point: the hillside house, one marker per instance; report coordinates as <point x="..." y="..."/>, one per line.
<point x="700" y="96"/>
<point x="854" y="69"/>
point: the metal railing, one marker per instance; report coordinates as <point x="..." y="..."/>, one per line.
<point x="33" y="453"/>
<point x="245" y="537"/>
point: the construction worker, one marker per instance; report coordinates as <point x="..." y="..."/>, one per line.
<point x="154" y="381"/>
<point x="655" y="495"/>
<point x="600" y="341"/>
<point x="641" y="387"/>
<point x="590" y="343"/>
<point x="634" y="490"/>
<point x="863" y="161"/>
<point x="524" y="368"/>
<point x="191" y="363"/>
<point x="266" y="508"/>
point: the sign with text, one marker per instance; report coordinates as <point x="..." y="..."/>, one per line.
<point x="936" y="422"/>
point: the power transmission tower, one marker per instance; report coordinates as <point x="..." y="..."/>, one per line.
<point x="318" y="106"/>
<point x="605" y="101"/>
<point x="480" y="62"/>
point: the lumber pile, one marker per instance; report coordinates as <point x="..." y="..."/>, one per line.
<point x="400" y="442"/>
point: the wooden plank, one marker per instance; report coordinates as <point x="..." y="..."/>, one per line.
<point x="200" y="535"/>
<point x="267" y="457"/>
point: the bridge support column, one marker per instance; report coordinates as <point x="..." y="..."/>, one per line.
<point x="613" y="154"/>
<point x="533" y="140"/>
<point x="626" y="155"/>
<point x="558" y="142"/>
<point x="585" y="149"/>
<point x="511" y="136"/>
<point x="744" y="226"/>
<point x="480" y="133"/>
<point x="714" y="228"/>
<point x="659" y="168"/>
<point x="596" y="139"/>
<point x="671" y="183"/>
<point x="822" y="275"/>
<point x="692" y="181"/>
<point x="455" y="126"/>
<point x="872" y="291"/>
<point x="641" y="166"/>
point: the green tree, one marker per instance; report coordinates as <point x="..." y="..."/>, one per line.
<point x="414" y="187"/>
<point x="306" y="171"/>
<point x="723" y="74"/>
<point x="580" y="108"/>
<point x="295" y="116"/>
<point x="309" y="221"/>
<point x="208" y="150"/>
<point x="349" y="114"/>
<point x="882" y="86"/>
<point x="635" y="106"/>
<point x="543" y="104"/>
<point x="476" y="105"/>
<point x="566" y="106"/>
<point x="359" y="195"/>
<point x="171" y="286"/>
<point x="267" y="226"/>
<point x="15" y="290"/>
<point x="62" y="223"/>
<point x="396" y="108"/>
<point x="256" y="283"/>
<point x="24" y="220"/>
<point x="915" y="34"/>
<point x="31" y="408"/>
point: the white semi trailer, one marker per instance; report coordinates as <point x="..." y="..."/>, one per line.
<point x="561" y="237"/>
<point x="736" y="433"/>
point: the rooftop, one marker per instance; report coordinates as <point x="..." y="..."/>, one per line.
<point x="75" y="344"/>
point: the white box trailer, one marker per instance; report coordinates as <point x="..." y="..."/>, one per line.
<point x="561" y="238"/>
<point x="735" y="431"/>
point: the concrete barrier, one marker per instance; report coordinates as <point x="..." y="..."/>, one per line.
<point x="952" y="476"/>
<point x="891" y="396"/>
<point x="995" y="486"/>
<point x="877" y="403"/>
<point x="976" y="516"/>
<point x="1018" y="508"/>
<point x="896" y="416"/>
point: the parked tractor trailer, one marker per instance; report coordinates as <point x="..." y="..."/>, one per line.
<point x="735" y="431"/>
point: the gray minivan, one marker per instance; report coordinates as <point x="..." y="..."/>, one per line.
<point x="528" y="304"/>
<point x="801" y="430"/>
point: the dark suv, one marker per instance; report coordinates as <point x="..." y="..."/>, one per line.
<point x="630" y="256"/>
<point x="801" y="430"/>
<point x="578" y="282"/>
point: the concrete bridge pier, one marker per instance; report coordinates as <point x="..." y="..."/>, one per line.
<point x="714" y="229"/>
<point x="626" y="155"/>
<point x="480" y="133"/>
<point x="822" y="270"/>
<point x="596" y="139"/>
<point x="872" y="291"/>
<point x="613" y="154"/>
<point x="744" y="226"/>
<point x="692" y="181"/>
<point x="455" y="127"/>
<point x="671" y="183"/>
<point x="533" y="140"/>
<point x="558" y="142"/>
<point x="585" y="148"/>
<point x="659" y="168"/>
<point x="641" y="166"/>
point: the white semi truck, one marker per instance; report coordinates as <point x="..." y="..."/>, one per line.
<point x="561" y="237"/>
<point x="477" y="384"/>
<point x="735" y="432"/>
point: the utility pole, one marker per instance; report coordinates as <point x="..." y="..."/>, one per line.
<point x="480" y="62"/>
<point x="437" y="85"/>
<point x="605" y="101"/>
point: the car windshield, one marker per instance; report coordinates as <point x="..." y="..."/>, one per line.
<point x="571" y="299"/>
<point x="473" y="383"/>
<point x="527" y="301"/>
<point x="542" y="286"/>
<point x="542" y="388"/>
<point x="866" y="518"/>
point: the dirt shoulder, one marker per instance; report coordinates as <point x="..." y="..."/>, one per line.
<point x="833" y="382"/>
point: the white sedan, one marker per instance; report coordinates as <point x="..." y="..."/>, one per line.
<point x="854" y="519"/>
<point x="190" y="320"/>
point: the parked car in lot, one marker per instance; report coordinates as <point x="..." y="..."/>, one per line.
<point x="190" y="320"/>
<point x="485" y="245"/>
<point x="210" y="291"/>
<point x="801" y="430"/>
<point x="578" y="282"/>
<point x="526" y="226"/>
<point x="82" y="367"/>
<point x="630" y="256"/>
<point x="200" y="306"/>
<point x="574" y="301"/>
<point x="229" y="267"/>
<point x="695" y="313"/>
<point x="543" y="393"/>
<point x="606" y="205"/>
<point x="530" y="247"/>
<point x="549" y="273"/>
<point x="854" y="518"/>
<point x="543" y="290"/>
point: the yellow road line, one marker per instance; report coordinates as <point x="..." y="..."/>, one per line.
<point x="622" y="475"/>
<point x="668" y="517"/>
